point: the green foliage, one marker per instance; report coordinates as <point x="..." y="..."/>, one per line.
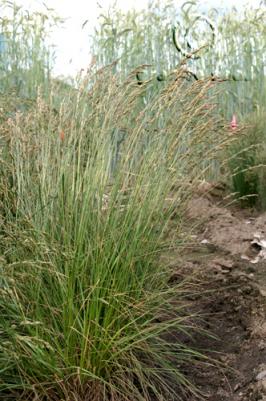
<point x="25" y="58"/>
<point x="247" y="162"/>
<point x="237" y="53"/>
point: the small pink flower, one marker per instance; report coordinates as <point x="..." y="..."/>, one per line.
<point x="62" y="135"/>
<point x="233" y="123"/>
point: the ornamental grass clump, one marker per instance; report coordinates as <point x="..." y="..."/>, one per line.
<point x="87" y="311"/>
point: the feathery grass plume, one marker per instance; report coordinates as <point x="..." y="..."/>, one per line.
<point x="87" y="310"/>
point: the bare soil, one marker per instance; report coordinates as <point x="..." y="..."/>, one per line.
<point x="232" y="300"/>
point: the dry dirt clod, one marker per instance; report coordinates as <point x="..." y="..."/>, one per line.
<point x="260" y="331"/>
<point x="224" y="263"/>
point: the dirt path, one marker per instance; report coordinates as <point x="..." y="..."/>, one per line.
<point x="233" y="275"/>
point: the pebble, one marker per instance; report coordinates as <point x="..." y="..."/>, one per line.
<point x="261" y="376"/>
<point x="225" y="271"/>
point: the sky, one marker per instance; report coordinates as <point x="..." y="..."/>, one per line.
<point x="72" y="42"/>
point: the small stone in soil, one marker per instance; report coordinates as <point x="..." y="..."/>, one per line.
<point x="261" y="375"/>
